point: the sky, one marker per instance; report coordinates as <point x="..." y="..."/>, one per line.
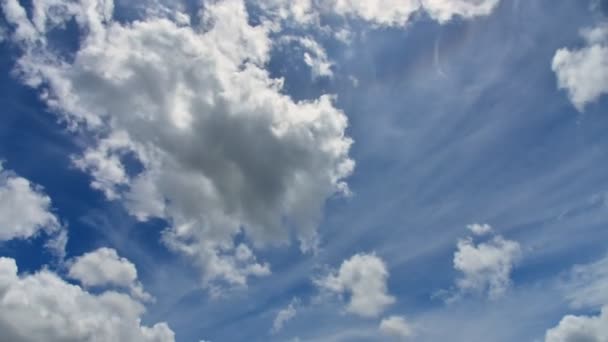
<point x="304" y="170"/>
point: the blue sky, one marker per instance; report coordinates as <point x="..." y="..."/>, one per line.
<point x="316" y="170"/>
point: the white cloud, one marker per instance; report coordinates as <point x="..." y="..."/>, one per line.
<point x="583" y="72"/>
<point x="43" y="307"/>
<point x="363" y="278"/>
<point x="480" y="229"/>
<point x="580" y="329"/>
<point x="284" y="316"/>
<point x="103" y="267"/>
<point x="397" y="327"/>
<point x="486" y="267"/>
<point x="25" y="211"/>
<point x="223" y="150"/>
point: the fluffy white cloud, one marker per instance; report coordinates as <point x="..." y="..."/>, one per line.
<point x="397" y="327"/>
<point x="104" y="267"/>
<point x="223" y="150"/>
<point x="284" y="316"/>
<point x="580" y="329"/>
<point x="583" y="72"/>
<point x="487" y="266"/>
<point x="25" y="211"/>
<point x="43" y="307"/>
<point x="363" y="278"/>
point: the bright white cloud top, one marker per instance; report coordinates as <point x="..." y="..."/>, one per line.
<point x="43" y="307"/>
<point x="363" y="279"/>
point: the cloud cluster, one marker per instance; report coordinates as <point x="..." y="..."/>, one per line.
<point x="222" y="149"/>
<point x="583" y="72"/>
<point x="363" y="279"/>
<point x="486" y="266"/>
<point x="43" y="307"/>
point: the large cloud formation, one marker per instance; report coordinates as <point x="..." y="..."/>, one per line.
<point x="583" y="72"/>
<point x="43" y="307"/>
<point x="222" y="149"/>
<point x="363" y="278"/>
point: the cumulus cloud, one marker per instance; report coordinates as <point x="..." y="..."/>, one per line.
<point x="25" y="211"/>
<point x="583" y="72"/>
<point x="580" y="328"/>
<point x="222" y="149"/>
<point x="284" y="316"/>
<point x="363" y="279"/>
<point x="486" y="267"/>
<point x="103" y="267"/>
<point x="396" y="327"/>
<point x="43" y="307"/>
